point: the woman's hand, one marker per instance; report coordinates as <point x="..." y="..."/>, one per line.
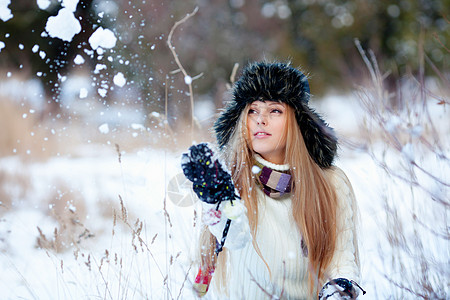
<point x="212" y="183"/>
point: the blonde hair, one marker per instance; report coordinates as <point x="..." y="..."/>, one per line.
<point x="314" y="202"/>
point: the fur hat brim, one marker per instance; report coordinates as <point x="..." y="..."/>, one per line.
<point x="279" y="82"/>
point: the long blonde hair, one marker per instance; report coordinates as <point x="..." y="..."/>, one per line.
<point x="314" y="202"/>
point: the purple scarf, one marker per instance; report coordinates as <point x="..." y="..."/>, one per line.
<point x="274" y="183"/>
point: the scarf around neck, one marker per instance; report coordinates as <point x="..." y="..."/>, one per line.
<point x="274" y="179"/>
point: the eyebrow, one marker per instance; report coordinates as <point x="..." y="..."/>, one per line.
<point x="270" y="104"/>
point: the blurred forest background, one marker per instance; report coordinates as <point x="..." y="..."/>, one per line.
<point x="81" y="124"/>
<point x="316" y="35"/>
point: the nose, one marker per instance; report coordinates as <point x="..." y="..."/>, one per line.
<point x="262" y="119"/>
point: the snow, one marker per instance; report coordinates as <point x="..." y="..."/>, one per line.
<point x="102" y="38"/>
<point x="187" y="80"/>
<point x="119" y="79"/>
<point x="70" y="4"/>
<point x="64" y="25"/>
<point x="104" y="128"/>
<point x="43" y="4"/>
<point x="256" y="169"/>
<point x="97" y="195"/>
<point x="35" y="48"/>
<point x="89" y="193"/>
<point x="83" y="93"/>
<point x="5" y="12"/>
<point x="78" y="60"/>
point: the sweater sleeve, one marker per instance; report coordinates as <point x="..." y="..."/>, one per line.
<point x="345" y="262"/>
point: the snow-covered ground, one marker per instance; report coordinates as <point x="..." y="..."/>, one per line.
<point x="141" y="250"/>
<point x="97" y="224"/>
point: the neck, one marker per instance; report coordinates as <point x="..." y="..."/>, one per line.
<point x="274" y="166"/>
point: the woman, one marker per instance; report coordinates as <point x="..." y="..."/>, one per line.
<point x="300" y="208"/>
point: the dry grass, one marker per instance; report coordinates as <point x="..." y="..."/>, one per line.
<point x="412" y="151"/>
<point x="68" y="208"/>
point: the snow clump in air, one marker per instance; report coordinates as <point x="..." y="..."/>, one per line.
<point x="2" y="45"/>
<point x="104" y="128"/>
<point x="5" y="12"/>
<point x="119" y="79"/>
<point x="83" y="93"/>
<point x="78" y="60"/>
<point x="43" y="4"/>
<point x="102" y="38"/>
<point x="64" y="25"/>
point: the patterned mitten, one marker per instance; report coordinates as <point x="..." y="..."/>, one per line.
<point x="212" y="183"/>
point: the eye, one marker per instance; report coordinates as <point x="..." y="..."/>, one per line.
<point x="252" y="111"/>
<point x="276" y="111"/>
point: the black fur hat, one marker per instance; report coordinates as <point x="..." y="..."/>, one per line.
<point x="283" y="83"/>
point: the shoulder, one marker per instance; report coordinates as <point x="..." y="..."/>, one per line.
<point x="338" y="178"/>
<point x="342" y="187"/>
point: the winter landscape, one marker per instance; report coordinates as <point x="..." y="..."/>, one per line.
<point x="92" y="207"/>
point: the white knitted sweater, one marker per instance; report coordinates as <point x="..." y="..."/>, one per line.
<point x="280" y="244"/>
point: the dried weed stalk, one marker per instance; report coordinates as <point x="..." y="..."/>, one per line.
<point x="411" y="146"/>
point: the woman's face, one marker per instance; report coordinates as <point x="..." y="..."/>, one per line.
<point x="266" y="122"/>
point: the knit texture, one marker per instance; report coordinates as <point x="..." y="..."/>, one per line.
<point x="280" y="243"/>
<point x="279" y="82"/>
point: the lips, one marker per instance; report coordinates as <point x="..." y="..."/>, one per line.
<point x="262" y="134"/>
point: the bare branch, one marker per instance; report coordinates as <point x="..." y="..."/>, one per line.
<point x="180" y="66"/>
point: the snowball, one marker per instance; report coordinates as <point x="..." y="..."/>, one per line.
<point x="104" y="128"/>
<point x="5" y="12"/>
<point x="78" y="60"/>
<point x="64" y="25"/>
<point x="119" y="79"/>
<point x="155" y="114"/>
<point x="2" y="45"/>
<point x="43" y="4"/>
<point x="104" y="38"/>
<point x="83" y="93"/>
<point x="35" y="48"/>
<point x="42" y="54"/>
<point x="188" y="79"/>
